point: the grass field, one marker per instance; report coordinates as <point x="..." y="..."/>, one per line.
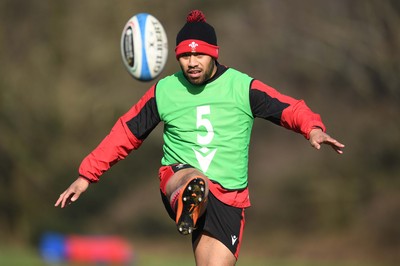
<point x="17" y="257"/>
<point x="162" y="255"/>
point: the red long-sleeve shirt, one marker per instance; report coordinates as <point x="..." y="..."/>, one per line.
<point x="133" y="127"/>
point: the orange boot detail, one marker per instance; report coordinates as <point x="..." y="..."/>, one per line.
<point x="191" y="199"/>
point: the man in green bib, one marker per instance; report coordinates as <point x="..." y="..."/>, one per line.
<point x="208" y="111"/>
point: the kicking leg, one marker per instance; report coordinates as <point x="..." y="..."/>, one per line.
<point x="180" y="178"/>
<point x="187" y="192"/>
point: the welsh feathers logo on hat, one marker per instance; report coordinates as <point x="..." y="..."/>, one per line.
<point x="196" y="36"/>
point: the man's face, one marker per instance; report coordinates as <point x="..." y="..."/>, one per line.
<point x="197" y="68"/>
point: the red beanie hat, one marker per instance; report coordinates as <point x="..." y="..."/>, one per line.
<point x="196" y="36"/>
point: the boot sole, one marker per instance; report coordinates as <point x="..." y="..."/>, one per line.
<point x="189" y="203"/>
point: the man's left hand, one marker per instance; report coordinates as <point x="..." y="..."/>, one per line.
<point x="318" y="137"/>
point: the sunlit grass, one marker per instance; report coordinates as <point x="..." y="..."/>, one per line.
<point x="10" y="256"/>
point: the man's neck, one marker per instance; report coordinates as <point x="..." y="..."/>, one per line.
<point x="218" y="71"/>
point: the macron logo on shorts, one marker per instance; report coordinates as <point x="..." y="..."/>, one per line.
<point x="234" y="238"/>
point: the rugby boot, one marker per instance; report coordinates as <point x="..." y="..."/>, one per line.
<point x="190" y="201"/>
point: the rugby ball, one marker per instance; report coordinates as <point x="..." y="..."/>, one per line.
<point x="144" y="47"/>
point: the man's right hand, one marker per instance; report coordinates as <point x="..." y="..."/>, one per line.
<point x="73" y="192"/>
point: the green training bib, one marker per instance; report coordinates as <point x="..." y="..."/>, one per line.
<point x="208" y="126"/>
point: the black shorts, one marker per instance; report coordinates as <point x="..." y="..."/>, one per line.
<point x="221" y="221"/>
<point x="225" y="223"/>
